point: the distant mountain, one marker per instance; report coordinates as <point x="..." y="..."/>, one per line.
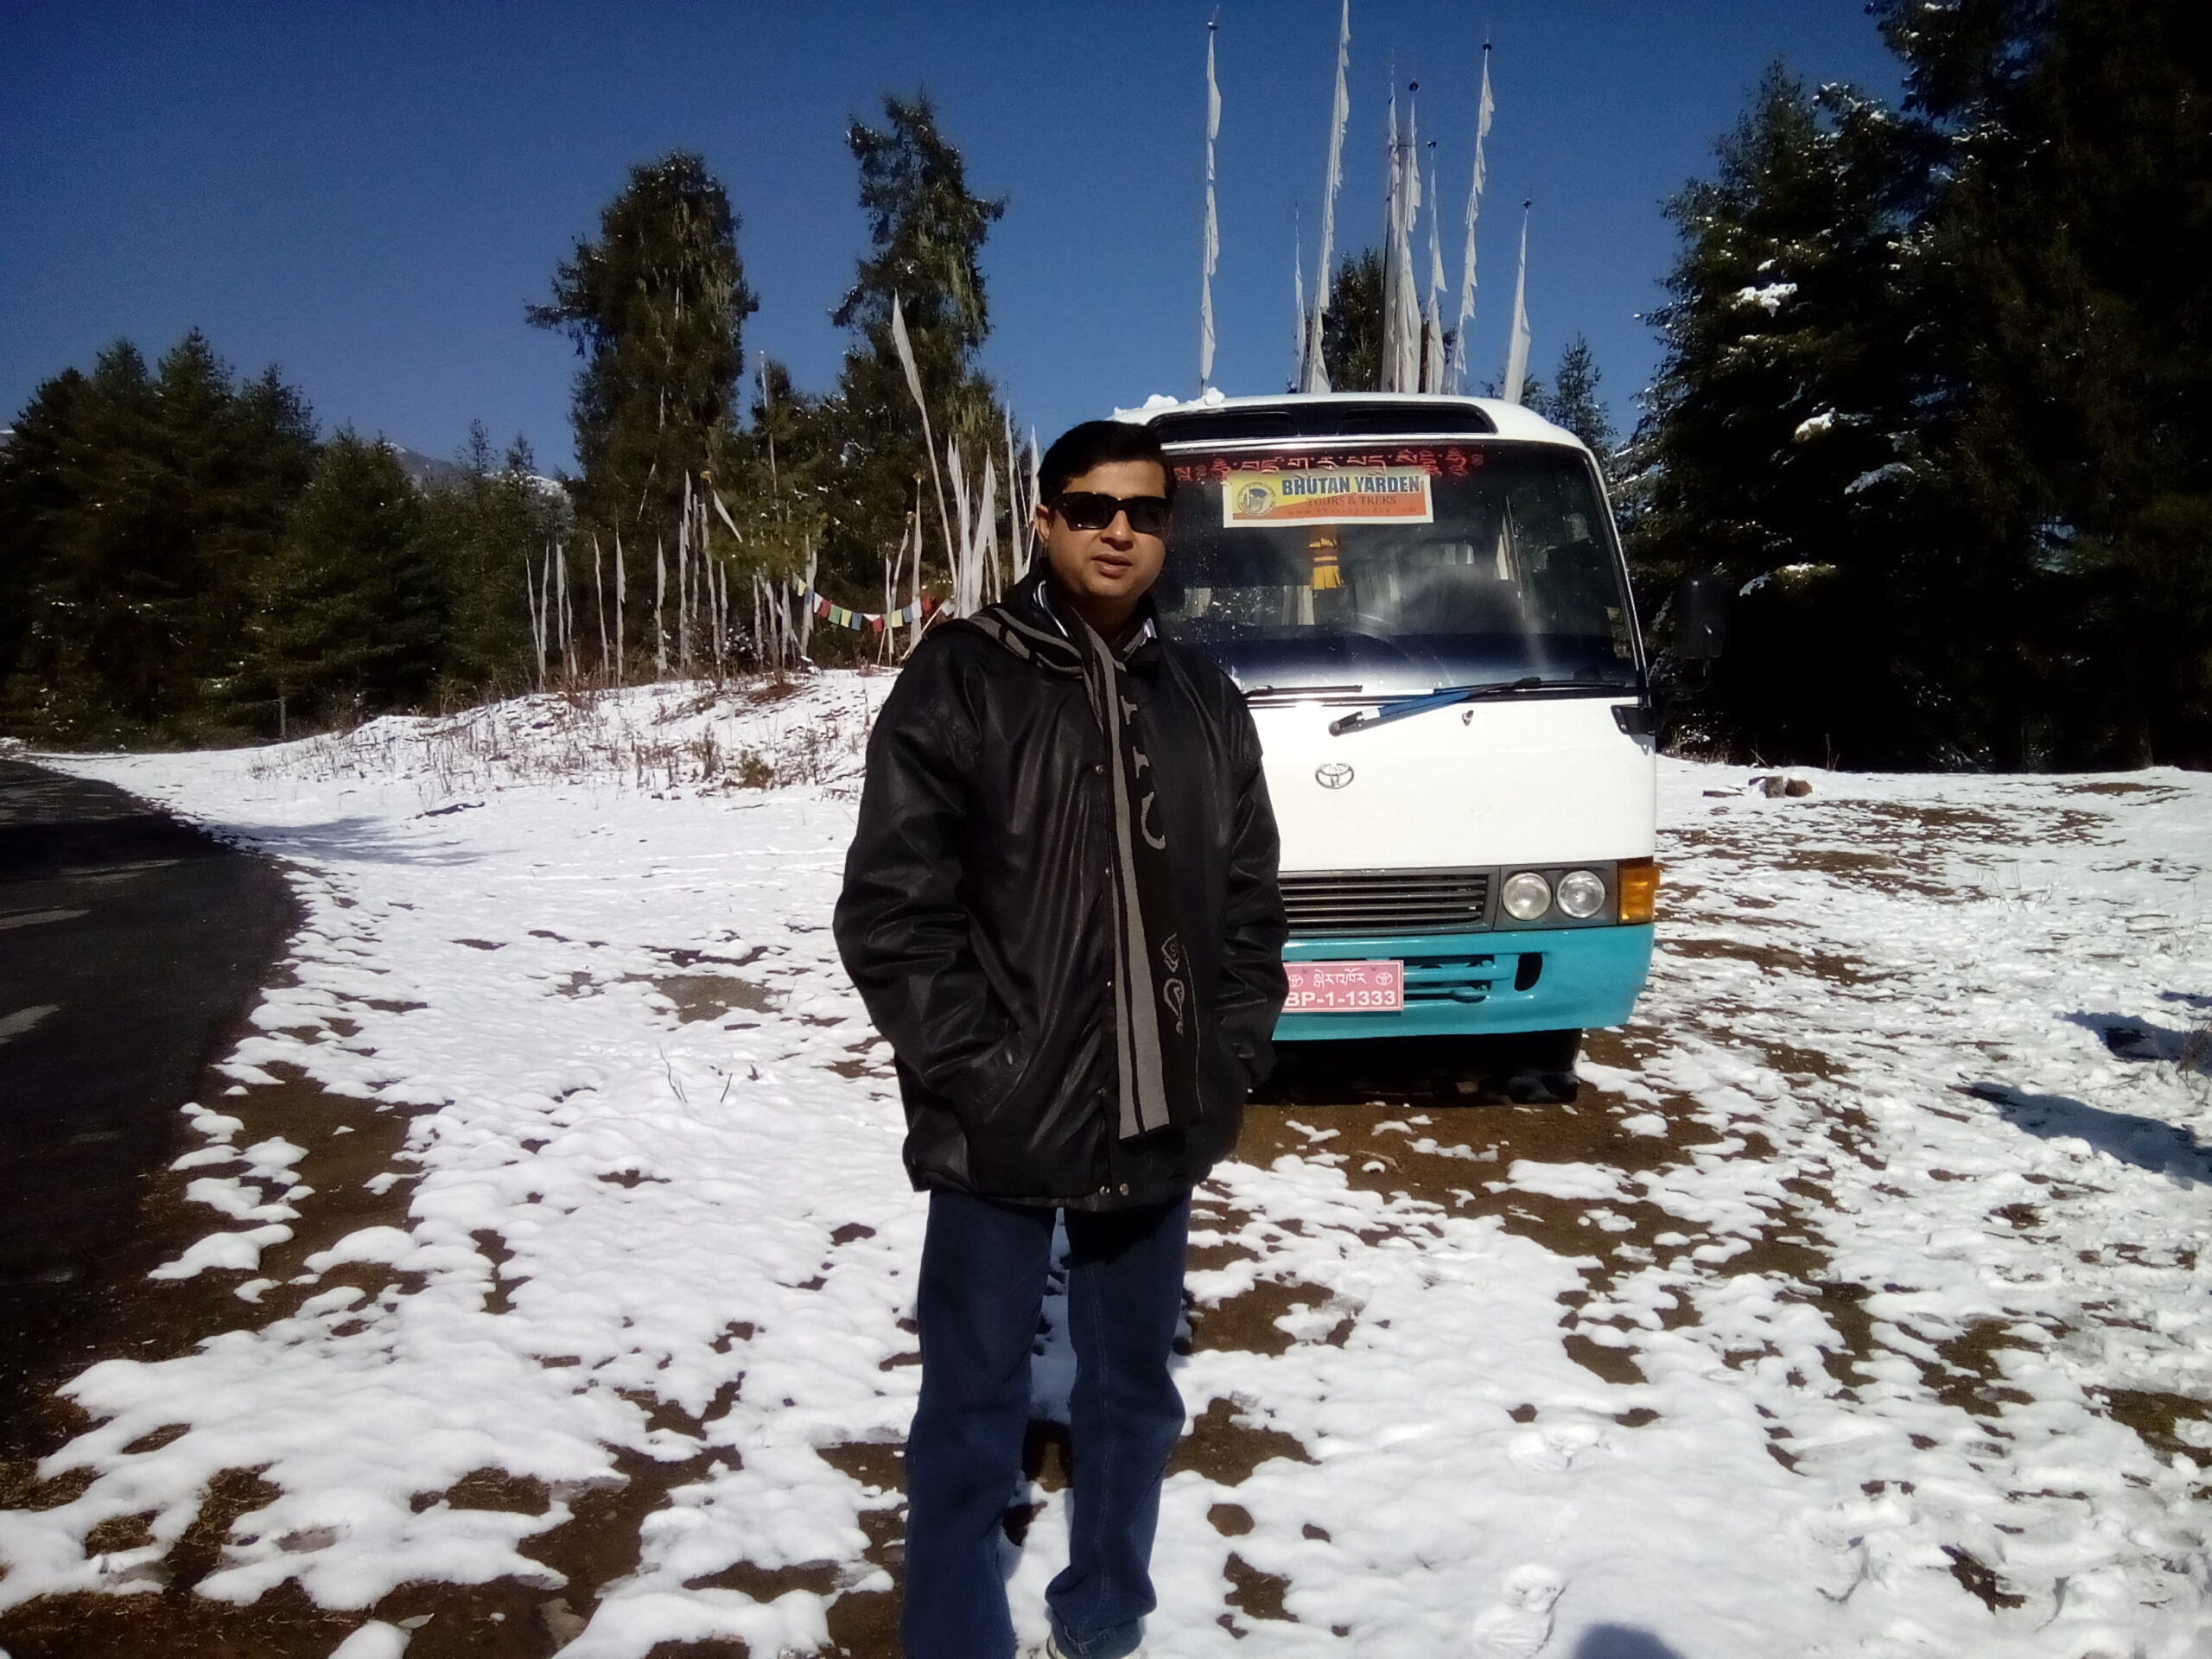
<point x="428" y="472"/>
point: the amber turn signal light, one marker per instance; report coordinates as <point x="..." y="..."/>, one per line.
<point x="1639" y="889"/>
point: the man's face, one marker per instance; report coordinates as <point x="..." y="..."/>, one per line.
<point x="1106" y="571"/>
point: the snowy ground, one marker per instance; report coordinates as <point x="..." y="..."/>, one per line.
<point x="1856" y="1309"/>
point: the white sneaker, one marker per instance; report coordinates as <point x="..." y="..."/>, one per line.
<point x="1051" y="1650"/>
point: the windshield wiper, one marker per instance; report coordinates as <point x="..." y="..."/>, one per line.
<point x="1299" y="691"/>
<point x="1450" y="694"/>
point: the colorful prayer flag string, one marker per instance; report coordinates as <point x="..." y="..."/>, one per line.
<point x="861" y="621"/>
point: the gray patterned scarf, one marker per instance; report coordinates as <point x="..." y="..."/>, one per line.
<point x="1156" y="1022"/>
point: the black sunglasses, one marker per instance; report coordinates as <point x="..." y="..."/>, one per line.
<point x="1089" y="510"/>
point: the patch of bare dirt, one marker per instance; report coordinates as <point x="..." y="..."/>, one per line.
<point x="1435" y="1151"/>
<point x="490" y="1489"/>
<point x="865" y="1623"/>
<point x="1230" y="1520"/>
<point x="283" y="1625"/>
<point x="1948" y="823"/>
<point x="348" y="1142"/>
<point x="2119" y="787"/>
<point x="1969" y="1378"/>
<point x="124" y="1313"/>
<point x="1775" y="959"/>
<point x="1252" y="1323"/>
<point x="1255" y="1595"/>
<point x="710" y="996"/>
<point x="1229" y="1440"/>
<point x="1211" y="1214"/>
<point x="1980" y="1581"/>
<point x="2155" y="1417"/>
<point x="1801" y="1062"/>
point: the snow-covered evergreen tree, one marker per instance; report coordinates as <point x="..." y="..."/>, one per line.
<point x="1779" y="431"/>
<point x="2062" y="261"/>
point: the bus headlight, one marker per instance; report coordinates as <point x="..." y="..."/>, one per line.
<point x="1581" y="893"/>
<point x="1526" y="896"/>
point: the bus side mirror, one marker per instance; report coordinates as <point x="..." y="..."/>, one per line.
<point x="1700" y="617"/>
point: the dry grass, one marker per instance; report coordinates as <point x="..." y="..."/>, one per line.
<point x="686" y="735"/>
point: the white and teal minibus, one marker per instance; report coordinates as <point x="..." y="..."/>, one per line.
<point x="1425" y="602"/>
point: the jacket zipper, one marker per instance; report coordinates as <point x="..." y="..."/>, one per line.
<point x="1109" y="1108"/>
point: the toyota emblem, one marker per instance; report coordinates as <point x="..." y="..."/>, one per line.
<point x="1332" y="774"/>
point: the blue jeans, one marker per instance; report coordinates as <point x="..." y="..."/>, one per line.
<point x="982" y="1292"/>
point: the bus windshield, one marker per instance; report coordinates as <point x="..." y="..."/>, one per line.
<point x="1396" y="568"/>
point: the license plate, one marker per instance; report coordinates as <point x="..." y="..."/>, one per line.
<point x="1345" y="987"/>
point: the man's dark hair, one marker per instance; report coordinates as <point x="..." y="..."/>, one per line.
<point x="1099" y="444"/>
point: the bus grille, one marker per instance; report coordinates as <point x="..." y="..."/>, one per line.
<point x="1324" y="904"/>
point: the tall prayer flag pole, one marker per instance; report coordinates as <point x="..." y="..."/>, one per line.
<point x="1213" y="224"/>
<point x="1484" y="112"/>
<point x="1314" y="373"/>
<point x="1432" y="321"/>
<point x="1516" y="356"/>
<point x="1402" y="302"/>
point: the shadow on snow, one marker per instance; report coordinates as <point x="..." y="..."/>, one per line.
<point x="2131" y="1038"/>
<point x="345" y="840"/>
<point x="1621" y="1642"/>
<point x="2143" y="1142"/>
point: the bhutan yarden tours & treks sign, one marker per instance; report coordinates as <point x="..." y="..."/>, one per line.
<point x="1349" y="495"/>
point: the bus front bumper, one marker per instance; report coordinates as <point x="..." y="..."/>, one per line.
<point x="1457" y="984"/>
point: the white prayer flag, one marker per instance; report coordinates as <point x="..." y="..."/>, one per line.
<point x="1432" y="348"/>
<point x="905" y="346"/>
<point x="1517" y="357"/>
<point x="1484" y="111"/>
<point x="1401" y="369"/>
<point x="1213" y="224"/>
<point x="1315" y="377"/>
<point x="1392" y="205"/>
<point x="898" y="338"/>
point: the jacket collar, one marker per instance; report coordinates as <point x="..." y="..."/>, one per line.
<point x="1139" y="648"/>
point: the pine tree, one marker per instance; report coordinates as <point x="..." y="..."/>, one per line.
<point x="2065" y="243"/>
<point x="89" y="452"/>
<point x="656" y="307"/>
<point x="350" y="612"/>
<point x="490" y="530"/>
<point x="35" y="498"/>
<point x="1351" y="338"/>
<point x="780" y="498"/>
<point x="1572" y="401"/>
<point x="142" y="570"/>
<point x="926" y="230"/>
<point x="140" y="508"/>
<point x="1777" y="443"/>
<point x="1960" y="464"/>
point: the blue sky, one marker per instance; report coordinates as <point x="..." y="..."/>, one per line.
<point x="367" y="194"/>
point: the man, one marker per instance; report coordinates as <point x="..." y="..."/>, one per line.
<point x="1060" y="907"/>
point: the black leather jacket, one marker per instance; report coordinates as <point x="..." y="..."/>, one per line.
<point x="973" y="919"/>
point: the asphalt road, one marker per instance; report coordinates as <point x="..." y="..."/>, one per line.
<point x="130" y="946"/>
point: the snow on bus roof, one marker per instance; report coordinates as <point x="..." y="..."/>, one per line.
<point x="1510" y="421"/>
